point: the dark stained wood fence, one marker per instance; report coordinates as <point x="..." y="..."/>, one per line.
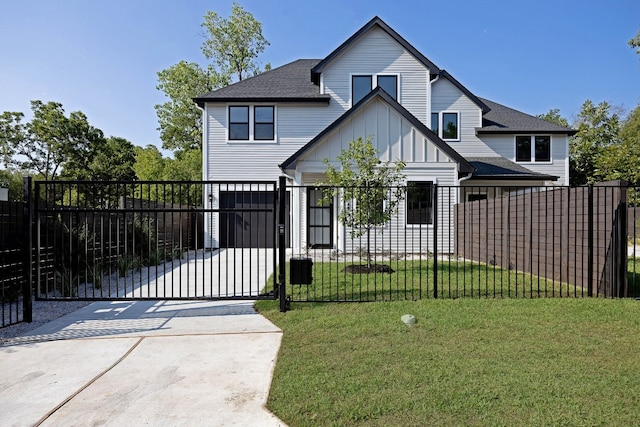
<point x="570" y="235"/>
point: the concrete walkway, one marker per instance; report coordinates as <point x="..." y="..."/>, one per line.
<point x="143" y="363"/>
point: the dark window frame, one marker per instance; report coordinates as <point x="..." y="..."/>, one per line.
<point x="445" y="131"/>
<point x="394" y="95"/>
<point x="269" y="125"/>
<point x="237" y="124"/>
<point x="532" y="149"/>
<point x="419" y="210"/>
<point x="353" y="87"/>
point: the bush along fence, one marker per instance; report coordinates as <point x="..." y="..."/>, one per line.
<point x="468" y="241"/>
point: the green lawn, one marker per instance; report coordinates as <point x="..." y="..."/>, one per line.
<point x="415" y="279"/>
<point x="497" y="362"/>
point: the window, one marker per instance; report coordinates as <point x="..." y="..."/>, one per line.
<point x="239" y="123"/>
<point x="531" y="148"/>
<point x="389" y="84"/>
<point x="420" y="202"/>
<point x="360" y="87"/>
<point x="473" y="197"/>
<point x="449" y="122"/>
<point x="450" y="126"/>
<point x="435" y="119"/>
<point x="258" y="127"/>
<point x="263" y="127"/>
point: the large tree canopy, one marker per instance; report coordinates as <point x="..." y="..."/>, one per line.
<point x="232" y="46"/>
<point x="179" y="118"/>
<point x="598" y="128"/>
<point x="635" y="42"/>
<point x="53" y="144"/>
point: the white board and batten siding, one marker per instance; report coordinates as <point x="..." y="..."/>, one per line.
<point x="388" y="58"/>
<point x="395" y="139"/>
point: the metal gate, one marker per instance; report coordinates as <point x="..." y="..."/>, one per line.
<point x="111" y="240"/>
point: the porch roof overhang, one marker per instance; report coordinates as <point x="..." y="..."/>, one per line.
<point x="501" y="169"/>
<point x="464" y="167"/>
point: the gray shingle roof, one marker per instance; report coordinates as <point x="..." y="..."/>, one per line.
<point x="503" y="119"/>
<point x="500" y="168"/>
<point x="288" y="83"/>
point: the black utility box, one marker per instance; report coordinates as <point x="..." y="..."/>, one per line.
<point x="300" y="271"/>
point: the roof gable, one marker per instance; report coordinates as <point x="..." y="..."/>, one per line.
<point x="484" y="107"/>
<point x="317" y="70"/>
<point x="463" y="165"/>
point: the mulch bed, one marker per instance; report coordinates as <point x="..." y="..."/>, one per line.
<point x="364" y="269"/>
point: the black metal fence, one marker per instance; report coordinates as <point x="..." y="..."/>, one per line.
<point x="153" y="240"/>
<point x="13" y="264"/>
<point x="217" y="240"/>
<point x="467" y="241"/>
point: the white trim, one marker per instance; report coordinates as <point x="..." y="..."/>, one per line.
<point x="441" y="127"/>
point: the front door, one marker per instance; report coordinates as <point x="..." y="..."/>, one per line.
<point x="320" y="216"/>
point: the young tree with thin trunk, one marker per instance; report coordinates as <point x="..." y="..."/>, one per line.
<point x="370" y="189"/>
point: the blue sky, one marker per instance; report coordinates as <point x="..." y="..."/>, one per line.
<point x="101" y="56"/>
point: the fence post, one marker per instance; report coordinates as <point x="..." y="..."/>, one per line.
<point x="435" y="240"/>
<point x="282" y="289"/>
<point x="27" y="303"/>
<point x="590" y="241"/>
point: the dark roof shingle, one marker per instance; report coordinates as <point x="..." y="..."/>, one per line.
<point x="501" y="119"/>
<point x="288" y="83"/>
<point x="499" y="168"/>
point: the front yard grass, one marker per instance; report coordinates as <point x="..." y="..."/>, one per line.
<point x="472" y="362"/>
<point x="415" y="279"/>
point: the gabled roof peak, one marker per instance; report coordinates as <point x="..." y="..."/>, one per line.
<point x="374" y="22"/>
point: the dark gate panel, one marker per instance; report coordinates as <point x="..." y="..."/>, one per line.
<point x="99" y="240"/>
<point x="247" y="218"/>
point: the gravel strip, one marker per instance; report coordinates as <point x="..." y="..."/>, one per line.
<point x="43" y="312"/>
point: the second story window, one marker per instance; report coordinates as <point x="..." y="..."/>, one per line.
<point x="252" y="123"/>
<point x="362" y="84"/>
<point x="264" y="123"/>
<point x="360" y="87"/>
<point x="446" y="125"/>
<point x="450" y="126"/>
<point x="389" y="84"/>
<point x="239" y="123"/>
<point x="530" y="148"/>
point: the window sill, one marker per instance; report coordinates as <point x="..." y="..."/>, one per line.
<point x="534" y="163"/>
<point x="252" y="141"/>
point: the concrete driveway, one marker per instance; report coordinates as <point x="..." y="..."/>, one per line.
<point x="143" y="363"/>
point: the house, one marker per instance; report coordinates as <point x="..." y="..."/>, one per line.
<point x="376" y="84"/>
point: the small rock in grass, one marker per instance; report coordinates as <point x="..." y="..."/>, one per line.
<point x="408" y="319"/>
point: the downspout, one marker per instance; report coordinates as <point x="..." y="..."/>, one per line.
<point x="207" y="196"/>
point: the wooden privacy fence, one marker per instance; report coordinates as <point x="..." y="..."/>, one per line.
<point x="569" y="235"/>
